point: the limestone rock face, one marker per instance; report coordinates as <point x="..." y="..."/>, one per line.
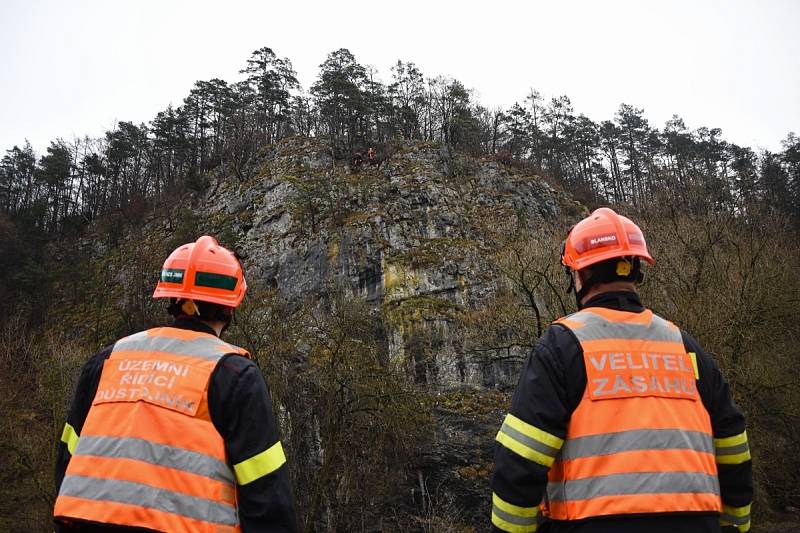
<point x="416" y="238"/>
<point x="407" y="236"/>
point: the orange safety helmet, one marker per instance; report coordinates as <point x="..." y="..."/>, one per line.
<point x="601" y="236"/>
<point x="203" y="271"/>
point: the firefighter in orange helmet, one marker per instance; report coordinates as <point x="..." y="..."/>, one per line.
<point x="172" y="429"/>
<point x="620" y="421"/>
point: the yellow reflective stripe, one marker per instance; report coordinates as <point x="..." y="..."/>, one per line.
<point x="736" y="511"/>
<point x="735" y="459"/>
<point x="732" y="450"/>
<point x="743" y="528"/>
<point x="741" y="438"/>
<point x="693" y="357"/>
<point x="260" y="465"/>
<point x="70" y="437"/>
<point x="511" y="528"/>
<point x="524" y="451"/>
<point x="514" y="509"/>
<point x="534" y="432"/>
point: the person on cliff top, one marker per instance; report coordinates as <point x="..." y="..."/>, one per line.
<point x="172" y="429"/>
<point x="620" y="421"/>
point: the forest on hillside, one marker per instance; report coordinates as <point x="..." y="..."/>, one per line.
<point x="621" y="160"/>
<point x="93" y="214"/>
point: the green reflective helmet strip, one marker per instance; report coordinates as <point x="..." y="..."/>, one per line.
<point x="215" y="281"/>
<point x="172" y="275"/>
<point x="260" y="465"/>
<point x="70" y="437"/>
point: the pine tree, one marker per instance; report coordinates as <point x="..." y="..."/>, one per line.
<point x="407" y="94"/>
<point x="272" y="79"/>
<point x="340" y="96"/>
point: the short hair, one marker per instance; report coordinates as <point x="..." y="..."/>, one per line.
<point x="616" y="269"/>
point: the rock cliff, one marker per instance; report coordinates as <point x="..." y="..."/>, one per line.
<point x="415" y="237"/>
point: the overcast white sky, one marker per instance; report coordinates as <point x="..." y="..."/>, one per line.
<point x="72" y="68"/>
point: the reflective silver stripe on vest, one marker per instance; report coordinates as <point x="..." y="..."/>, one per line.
<point x="155" y="454"/>
<point x="633" y="483"/>
<point x="514" y="519"/>
<point x="637" y="439"/>
<point x="595" y="327"/>
<point x="202" y="347"/>
<point x="112" y="490"/>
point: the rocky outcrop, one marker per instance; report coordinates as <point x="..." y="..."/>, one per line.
<point x="416" y="237"/>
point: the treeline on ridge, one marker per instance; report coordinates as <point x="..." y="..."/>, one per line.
<point x="621" y="161"/>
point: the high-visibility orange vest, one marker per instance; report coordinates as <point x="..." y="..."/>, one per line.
<point x="640" y="440"/>
<point x="149" y="455"/>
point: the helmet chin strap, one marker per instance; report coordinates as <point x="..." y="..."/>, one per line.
<point x="579" y="294"/>
<point x="231" y="319"/>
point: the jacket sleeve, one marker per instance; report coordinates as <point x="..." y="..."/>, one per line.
<point x="550" y="386"/>
<point x="241" y="410"/>
<point x="731" y="448"/>
<point x="85" y="391"/>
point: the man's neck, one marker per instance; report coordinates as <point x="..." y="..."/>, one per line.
<point x="216" y="325"/>
<point x="613" y="286"/>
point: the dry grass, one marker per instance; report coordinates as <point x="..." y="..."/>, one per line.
<point x="37" y="377"/>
